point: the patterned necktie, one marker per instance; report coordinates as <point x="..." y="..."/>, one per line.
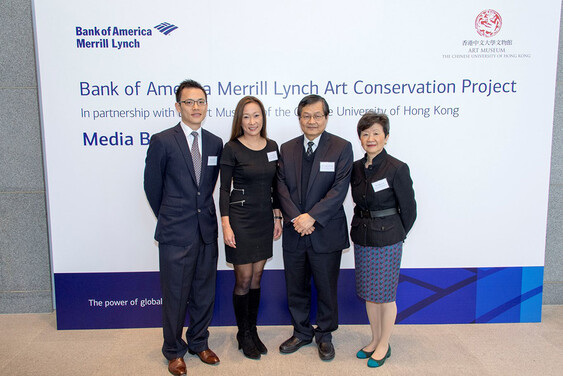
<point x="310" y="148"/>
<point x="196" y="157"/>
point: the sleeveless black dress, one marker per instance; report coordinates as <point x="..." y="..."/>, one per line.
<point x="250" y="202"/>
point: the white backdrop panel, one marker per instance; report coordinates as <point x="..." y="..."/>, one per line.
<point x="481" y="177"/>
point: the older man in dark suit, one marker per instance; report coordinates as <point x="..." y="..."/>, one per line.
<point x="314" y="174"/>
<point x="180" y="176"/>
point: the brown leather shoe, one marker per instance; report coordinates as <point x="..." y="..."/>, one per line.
<point x="206" y="356"/>
<point x="177" y="366"/>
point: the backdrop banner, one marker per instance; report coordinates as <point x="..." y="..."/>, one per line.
<point x="469" y="90"/>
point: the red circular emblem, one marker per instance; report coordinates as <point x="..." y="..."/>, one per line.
<point x="488" y="23"/>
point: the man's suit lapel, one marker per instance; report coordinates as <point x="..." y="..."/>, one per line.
<point x="205" y="147"/>
<point x="320" y="155"/>
<point x="298" y="163"/>
<point x="180" y="137"/>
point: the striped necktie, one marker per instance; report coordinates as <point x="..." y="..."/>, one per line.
<point x="310" y="148"/>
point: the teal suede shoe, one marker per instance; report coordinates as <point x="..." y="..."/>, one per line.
<point x="363" y="354"/>
<point x="374" y="363"/>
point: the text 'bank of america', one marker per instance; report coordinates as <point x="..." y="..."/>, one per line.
<point x="111" y="31"/>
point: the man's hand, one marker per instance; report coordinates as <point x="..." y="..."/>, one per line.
<point x="303" y="224"/>
<point x="308" y="232"/>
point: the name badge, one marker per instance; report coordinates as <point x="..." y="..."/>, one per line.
<point x="327" y="167"/>
<point x="272" y="156"/>
<point x="380" y="185"/>
<point x="212" y="160"/>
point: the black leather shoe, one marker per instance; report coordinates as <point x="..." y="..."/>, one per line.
<point x="326" y="351"/>
<point x="293" y="344"/>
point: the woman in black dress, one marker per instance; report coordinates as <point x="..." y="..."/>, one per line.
<point x="384" y="213"/>
<point x="250" y="214"/>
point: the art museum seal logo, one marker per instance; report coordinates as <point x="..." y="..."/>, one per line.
<point x="488" y="23"/>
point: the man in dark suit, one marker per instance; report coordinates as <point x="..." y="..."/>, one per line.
<point x="314" y="174"/>
<point x="181" y="171"/>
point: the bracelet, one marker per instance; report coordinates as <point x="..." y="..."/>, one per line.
<point x="277" y="217"/>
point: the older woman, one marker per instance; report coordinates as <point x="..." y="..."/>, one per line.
<point x="384" y="213"/>
<point x="249" y="214"/>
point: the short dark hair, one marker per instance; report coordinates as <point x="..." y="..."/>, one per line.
<point x="236" y="130"/>
<point x="312" y="99"/>
<point x="187" y="84"/>
<point x="370" y="118"/>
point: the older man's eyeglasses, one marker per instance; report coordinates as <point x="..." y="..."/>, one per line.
<point x="316" y="117"/>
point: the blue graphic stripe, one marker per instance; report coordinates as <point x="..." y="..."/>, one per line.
<point x="487" y="317"/>
<point x="532" y="277"/>
<point x="418" y="282"/>
<point x="166" y="28"/>
<point x="162" y="25"/>
<point x="485" y="272"/>
<point x="401" y="316"/>
<point x="169" y="29"/>
<point x="425" y="296"/>
<point x="440" y="292"/>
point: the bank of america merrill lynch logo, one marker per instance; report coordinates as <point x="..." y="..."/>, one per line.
<point x="166" y="28"/>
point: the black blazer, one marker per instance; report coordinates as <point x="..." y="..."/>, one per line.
<point x="383" y="231"/>
<point x="171" y="188"/>
<point x="326" y="192"/>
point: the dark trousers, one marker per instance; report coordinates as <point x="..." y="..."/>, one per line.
<point x="299" y="266"/>
<point x="187" y="277"/>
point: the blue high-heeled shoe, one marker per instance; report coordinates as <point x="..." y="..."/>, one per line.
<point x="374" y="363"/>
<point x="362" y="354"/>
